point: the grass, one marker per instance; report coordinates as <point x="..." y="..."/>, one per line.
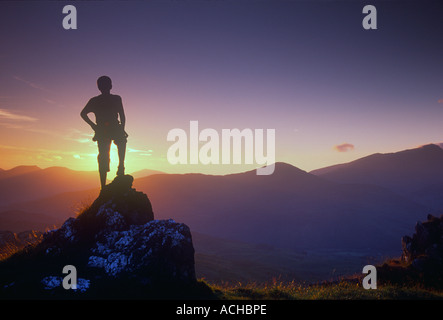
<point x="342" y="290"/>
<point x="8" y="249"/>
<point x="346" y="289"/>
<point x="81" y="206"/>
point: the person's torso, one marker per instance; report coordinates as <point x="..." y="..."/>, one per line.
<point x="106" y="109"/>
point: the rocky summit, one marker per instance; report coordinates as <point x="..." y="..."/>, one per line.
<point x="422" y="256"/>
<point x="424" y="250"/>
<point x="113" y="249"/>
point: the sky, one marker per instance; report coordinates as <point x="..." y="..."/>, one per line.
<point x="333" y="91"/>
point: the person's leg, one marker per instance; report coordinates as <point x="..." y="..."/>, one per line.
<point x="103" y="158"/>
<point x="103" y="175"/>
<point x="121" y="147"/>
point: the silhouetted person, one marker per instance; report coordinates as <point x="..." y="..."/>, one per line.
<point x="107" y="108"/>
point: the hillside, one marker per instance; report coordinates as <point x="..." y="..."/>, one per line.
<point x="60" y="206"/>
<point x="18" y="221"/>
<point x="291" y="208"/>
<point x="41" y="183"/>
<point x="16" y="171"/>
<point x="404" y="172"/>
<point x="309" y="220"/>
<point x="145" y="173"/>
<point x="221" y="260"/>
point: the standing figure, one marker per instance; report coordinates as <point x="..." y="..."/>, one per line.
<point x="108" y="109"/>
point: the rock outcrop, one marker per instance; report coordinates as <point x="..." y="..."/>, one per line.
<point x="424" y="249"/>
<point x="422" y="256"/>
<point x="117" y="248"/>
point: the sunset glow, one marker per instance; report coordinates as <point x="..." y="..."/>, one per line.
<point x="271" y="67"/>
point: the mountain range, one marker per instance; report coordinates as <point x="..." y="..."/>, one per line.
<point x="415" y="173"/>
<point x="291" y="208"/>
<point x="364" y="206"/>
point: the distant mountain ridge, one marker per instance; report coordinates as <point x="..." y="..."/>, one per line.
<point x="406" y="170"/>
<point x="39" y="183"/>
<point x="290" y="208"/>
<point x="416" y="173"/>
<point x="145" y="173"/>
<point x="16" y="171"/>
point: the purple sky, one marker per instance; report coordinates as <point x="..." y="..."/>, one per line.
<point x="333" y="91"/>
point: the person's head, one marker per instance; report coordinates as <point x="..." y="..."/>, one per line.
<point x="104" y="84"/>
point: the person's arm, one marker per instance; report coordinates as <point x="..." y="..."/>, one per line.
<point x="122" y="115"/>
<point x="84" y="115"/>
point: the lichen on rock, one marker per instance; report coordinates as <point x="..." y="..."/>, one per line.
<point x="114" y="243"/>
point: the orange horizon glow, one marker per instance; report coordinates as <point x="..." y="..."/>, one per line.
<point x="318" y="87"/>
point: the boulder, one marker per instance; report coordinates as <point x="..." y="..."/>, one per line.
<point x="426" y="243"/>
<point x="422" y="257"/>
<point x="116" y="246"/>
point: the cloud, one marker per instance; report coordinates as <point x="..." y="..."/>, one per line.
<point x="33" y="153"/>
<point x="32" y="84"/>
<point x="41" y="88"/>
<point x="134" y="150"/>
<point x="141" y="152"/>
<point x="8" y="115"/>
<point x="344" y="147"/>
<point x="55" y="154"/>
<point x="78" y="136"/>
<point x="50" y="101"/>
<point x="24" y="125"/>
